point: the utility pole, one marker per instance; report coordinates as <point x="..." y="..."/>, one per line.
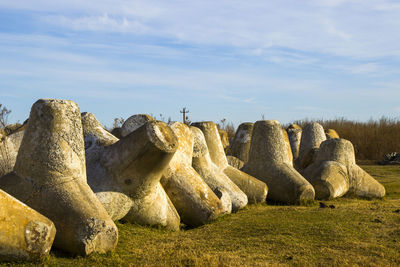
<point x="184" y="112"/>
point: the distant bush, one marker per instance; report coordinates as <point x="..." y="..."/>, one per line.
<point x="372" y="139"/>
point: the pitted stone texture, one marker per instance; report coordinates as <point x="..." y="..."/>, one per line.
<point x="125" y="174"/>
<point x="224" y="138"/>
<point x="212" y="175"/>
<point x="195" y="202"/>
<point x="334" y="172"/>
<point x="255" y="189"/>
<point x="25" y="235"/>
<point x="9" y="147"/>
<point x="311" y="138"/>
<point x="235" y="162"/>
<point x="134" y="122"/>
<point x="240" y="146"/>
<point x="269" y="161"/>
<point x="331" y="133"/>
<point x="294" y="133"/>
<point x="287" y="144"/>
<point x="50" y="176"/>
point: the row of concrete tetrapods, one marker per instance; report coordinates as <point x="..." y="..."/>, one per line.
<point x="72" y="179"/>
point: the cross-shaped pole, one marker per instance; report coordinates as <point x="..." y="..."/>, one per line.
<point x="184" y="112"/>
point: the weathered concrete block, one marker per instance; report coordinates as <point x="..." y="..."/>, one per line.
<point x="269" y="161"/>
<point x="126" y="173"/>
<point x="255" y="189"/>
<point x="25" y="234"/>
<point x="224" y="138"/>
<point x="50" y="176"/>
<point x="312" y="136"/>
<point x="212" y="175"/>
<point x="288" y="146"/>
<point x="134" y="122"/>
<point x="9" y="146"/>
<point x="240" y="146"/>
<point x="294" y="133"/>
<point x="196" y="203"/>
<point x="334" y="172"/>
<point x="235" y="162"/>
<point x="331" y="133"/>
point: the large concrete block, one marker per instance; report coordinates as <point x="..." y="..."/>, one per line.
<point x="288" y="146"/>
<point x="311" y="138"/>
<point x="334" y="172"/>
<point x="240" y="146"/>
<point x="331" y="133"/>
<point x="255" y="189"/>
<point x="212" y="175"/>
<point x="269" y="161"/>
<point x="9" y="147"/>
<point x="25" y="234"/>
<point x="294" y="133"/>
<point x="196" y="203"/>
<point x="125" y="174"/>
<point x="50" y="176"/>
<point x="134" y="122"/>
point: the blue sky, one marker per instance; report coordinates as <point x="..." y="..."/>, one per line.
<point x="239" y="60"/>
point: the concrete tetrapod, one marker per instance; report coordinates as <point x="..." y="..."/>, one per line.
<point x="116" y="203"/>
<point x="288" y="146"/>
<point x="240" y="146"/>
<point x="50" y="176"/>
<point x="294" y="133"/>
<point x="269" y="162"/>
<point x="255" y="189"/>
<point x="235" y="162"/>
<point x="224" y="138"/>
<point x="311" y="138"/>
<point x="213" y="175"/>
<point x="9" y="147"/>
<point x="335" y="173"/>
<point x="196" y="203"/>
<point x="331" y="133"/>
<point x="131" y="169"/>
<point x="25" y="234"/>
<point x="134" y="122"/>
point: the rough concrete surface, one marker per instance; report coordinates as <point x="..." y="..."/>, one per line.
<point x="194" y="200"/>
<point x="240" y="146"/>
<point x="126" y="173"/>
<point x="212" y="175"/>
<point x="255" y="189"/>
<point x="312" y="136"/>
<point x="25" y="234"/>
<point x="50" y="176"/>
<point x="335" y="173"/>
<point x="269" y="161"/>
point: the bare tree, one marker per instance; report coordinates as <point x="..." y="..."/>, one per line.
<point x="4" y="113"/>
<point x="118" y="122"/>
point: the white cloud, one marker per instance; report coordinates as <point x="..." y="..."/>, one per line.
<point x="334" y="27"/>
<point x="99" y="23"/>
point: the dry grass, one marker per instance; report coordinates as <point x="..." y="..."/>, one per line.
<point x="357" y="232"/>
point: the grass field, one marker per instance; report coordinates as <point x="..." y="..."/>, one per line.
<point x="356" y="232"/>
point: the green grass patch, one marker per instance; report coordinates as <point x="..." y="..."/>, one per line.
<point x="355" y="232"/>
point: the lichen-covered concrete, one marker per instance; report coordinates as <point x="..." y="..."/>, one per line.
<point x="194" y="200"/>
<point x="50" y="176"/>
<point x="125" y="174"/>
<point x="25" y="234"/>
<point x="255" y="189"/>
<point x="240" y="146"/>
<point x="269" y="161"/>
<point x="335" y="173"/>
<point x="212" y="175"/>
<point x="311" y="138"/>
